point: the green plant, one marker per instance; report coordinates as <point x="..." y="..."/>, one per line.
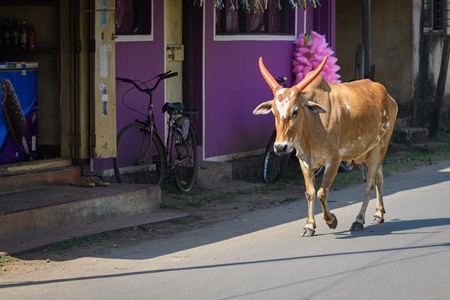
<point x="219" y="196"/>
<point x="180" y="203"/>
<point x="92" y="239"/>
<point x="179" y="221"/>
<point x="291" y="199"/>
<point x="245" y="192"/>
<point x="5" y="259"/>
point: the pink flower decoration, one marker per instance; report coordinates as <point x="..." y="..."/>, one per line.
<point x="309" y="53"/>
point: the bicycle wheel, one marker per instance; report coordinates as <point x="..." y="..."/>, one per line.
<point x="140" y="157"/>
<point x="319" y="171"/>
<point x="274" y="163"/>
<point x="185" y="168"/>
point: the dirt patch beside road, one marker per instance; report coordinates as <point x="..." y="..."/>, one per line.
<point x="205" y="208"/>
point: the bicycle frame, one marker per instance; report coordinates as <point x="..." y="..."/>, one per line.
<point x="170" y="144"/>
<point x="170" y="141"/>
<point x="178" y="154"/>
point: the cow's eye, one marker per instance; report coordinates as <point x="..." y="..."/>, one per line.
<point x="295" y="111"/>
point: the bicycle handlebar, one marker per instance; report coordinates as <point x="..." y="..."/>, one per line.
<point x="161" y="76"/>
<point x="167" y="75"/>
<point x="282" y="80"/>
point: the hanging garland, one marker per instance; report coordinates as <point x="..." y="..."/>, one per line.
<point x="257" y="5"/>
<point x="309" y="52"/>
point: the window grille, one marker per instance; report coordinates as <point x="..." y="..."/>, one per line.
<point x="276" y="19"/>
<point x="436" y="17"/>
<point x="133" y="17"/>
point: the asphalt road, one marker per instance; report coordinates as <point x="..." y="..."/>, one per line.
<point x="262" y="255"/>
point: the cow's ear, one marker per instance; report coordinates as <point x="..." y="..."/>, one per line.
<point x="264" y="108"/>
<point x="315" y="107"/>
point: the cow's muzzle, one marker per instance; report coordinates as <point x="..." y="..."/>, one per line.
<point x="282" y="148"/>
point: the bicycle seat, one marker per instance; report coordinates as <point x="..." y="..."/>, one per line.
<point x="169" y="106"/>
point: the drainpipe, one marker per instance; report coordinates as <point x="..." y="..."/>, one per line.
<point x="367" y="37"/>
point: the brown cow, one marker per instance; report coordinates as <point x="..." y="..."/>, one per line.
<point x="327" y="123"/>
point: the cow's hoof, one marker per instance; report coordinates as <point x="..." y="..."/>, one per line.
<point x="334" y="224"/>
<point x="356" y="226"/>
<point x="377" y="220"/>
<point x="308" y="232"/>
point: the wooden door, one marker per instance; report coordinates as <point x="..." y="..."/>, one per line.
<point x="92" y="83"/>
<point x="103" y="89"/>
<point x="174" y="49"/>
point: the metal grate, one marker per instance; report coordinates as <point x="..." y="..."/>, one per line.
<point x="436" y="16"/>
<point x="133" y="17"/>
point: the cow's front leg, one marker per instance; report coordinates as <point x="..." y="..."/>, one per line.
<point x="322" y="194"/>
<point x="310" y="227"/>
<point x="329" y="218"/>
<point x="310" y="194"/>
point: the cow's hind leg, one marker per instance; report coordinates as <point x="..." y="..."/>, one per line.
<point x="378" y="218"/>
<point x="372" y="173"/>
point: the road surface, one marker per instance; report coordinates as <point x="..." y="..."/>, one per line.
<point x="261" y="255"/>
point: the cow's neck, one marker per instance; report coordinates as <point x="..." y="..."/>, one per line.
<point x="306" y="133"/>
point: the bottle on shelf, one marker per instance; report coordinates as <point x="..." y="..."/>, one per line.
<point x="1" y="34"/>
<point x="31" y="38"/>
<point x="14" y="35"/>
<point x="5" y="36"/>
<point x="23" y="40"/>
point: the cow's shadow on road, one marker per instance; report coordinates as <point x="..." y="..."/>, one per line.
<point x="397" y="226"/>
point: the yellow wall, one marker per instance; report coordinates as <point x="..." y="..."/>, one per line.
<point x="392" y="48"/>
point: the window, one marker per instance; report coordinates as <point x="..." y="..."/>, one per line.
<point x="435" y="17"/>
<point x="133" y="20"/>
<point x="276" y="19"/>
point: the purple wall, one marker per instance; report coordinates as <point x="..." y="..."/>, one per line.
<point x="139" y="60"/>
<point x="234" y="87"/>
<point x="233" y="83"/>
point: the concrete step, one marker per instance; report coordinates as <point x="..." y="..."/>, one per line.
<point x="39" y="206"/>
<point x="26" y="242"/>
<point x="403" y="122"/>
<point x="62" y="207"/>
<point x="36" y="174"/>
<point x="37" y="199"/>
<point x="412" y="135"/>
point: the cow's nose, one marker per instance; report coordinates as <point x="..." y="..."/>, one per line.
<point x="280" y="148"/>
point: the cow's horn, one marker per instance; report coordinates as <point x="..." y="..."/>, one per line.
<point x="267" y="76"/>
<point x="310" y="77"/>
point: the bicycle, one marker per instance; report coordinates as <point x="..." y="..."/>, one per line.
<point x="142" y="157"/>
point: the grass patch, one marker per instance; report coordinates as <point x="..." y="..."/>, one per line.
<point x="180" y="203"/>
<point x="245" y="192"/>
<point x="219" y="196"/>
<point x="179" y="221"/>
<point x="291" y="199"/>
<point x="6" y="259"/>
<point x="277" y="186"/>
<point x="93" y="239"/>
<point x="183" y="202"/>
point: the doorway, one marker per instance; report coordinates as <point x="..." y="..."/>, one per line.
<point x="184" y="54"/>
